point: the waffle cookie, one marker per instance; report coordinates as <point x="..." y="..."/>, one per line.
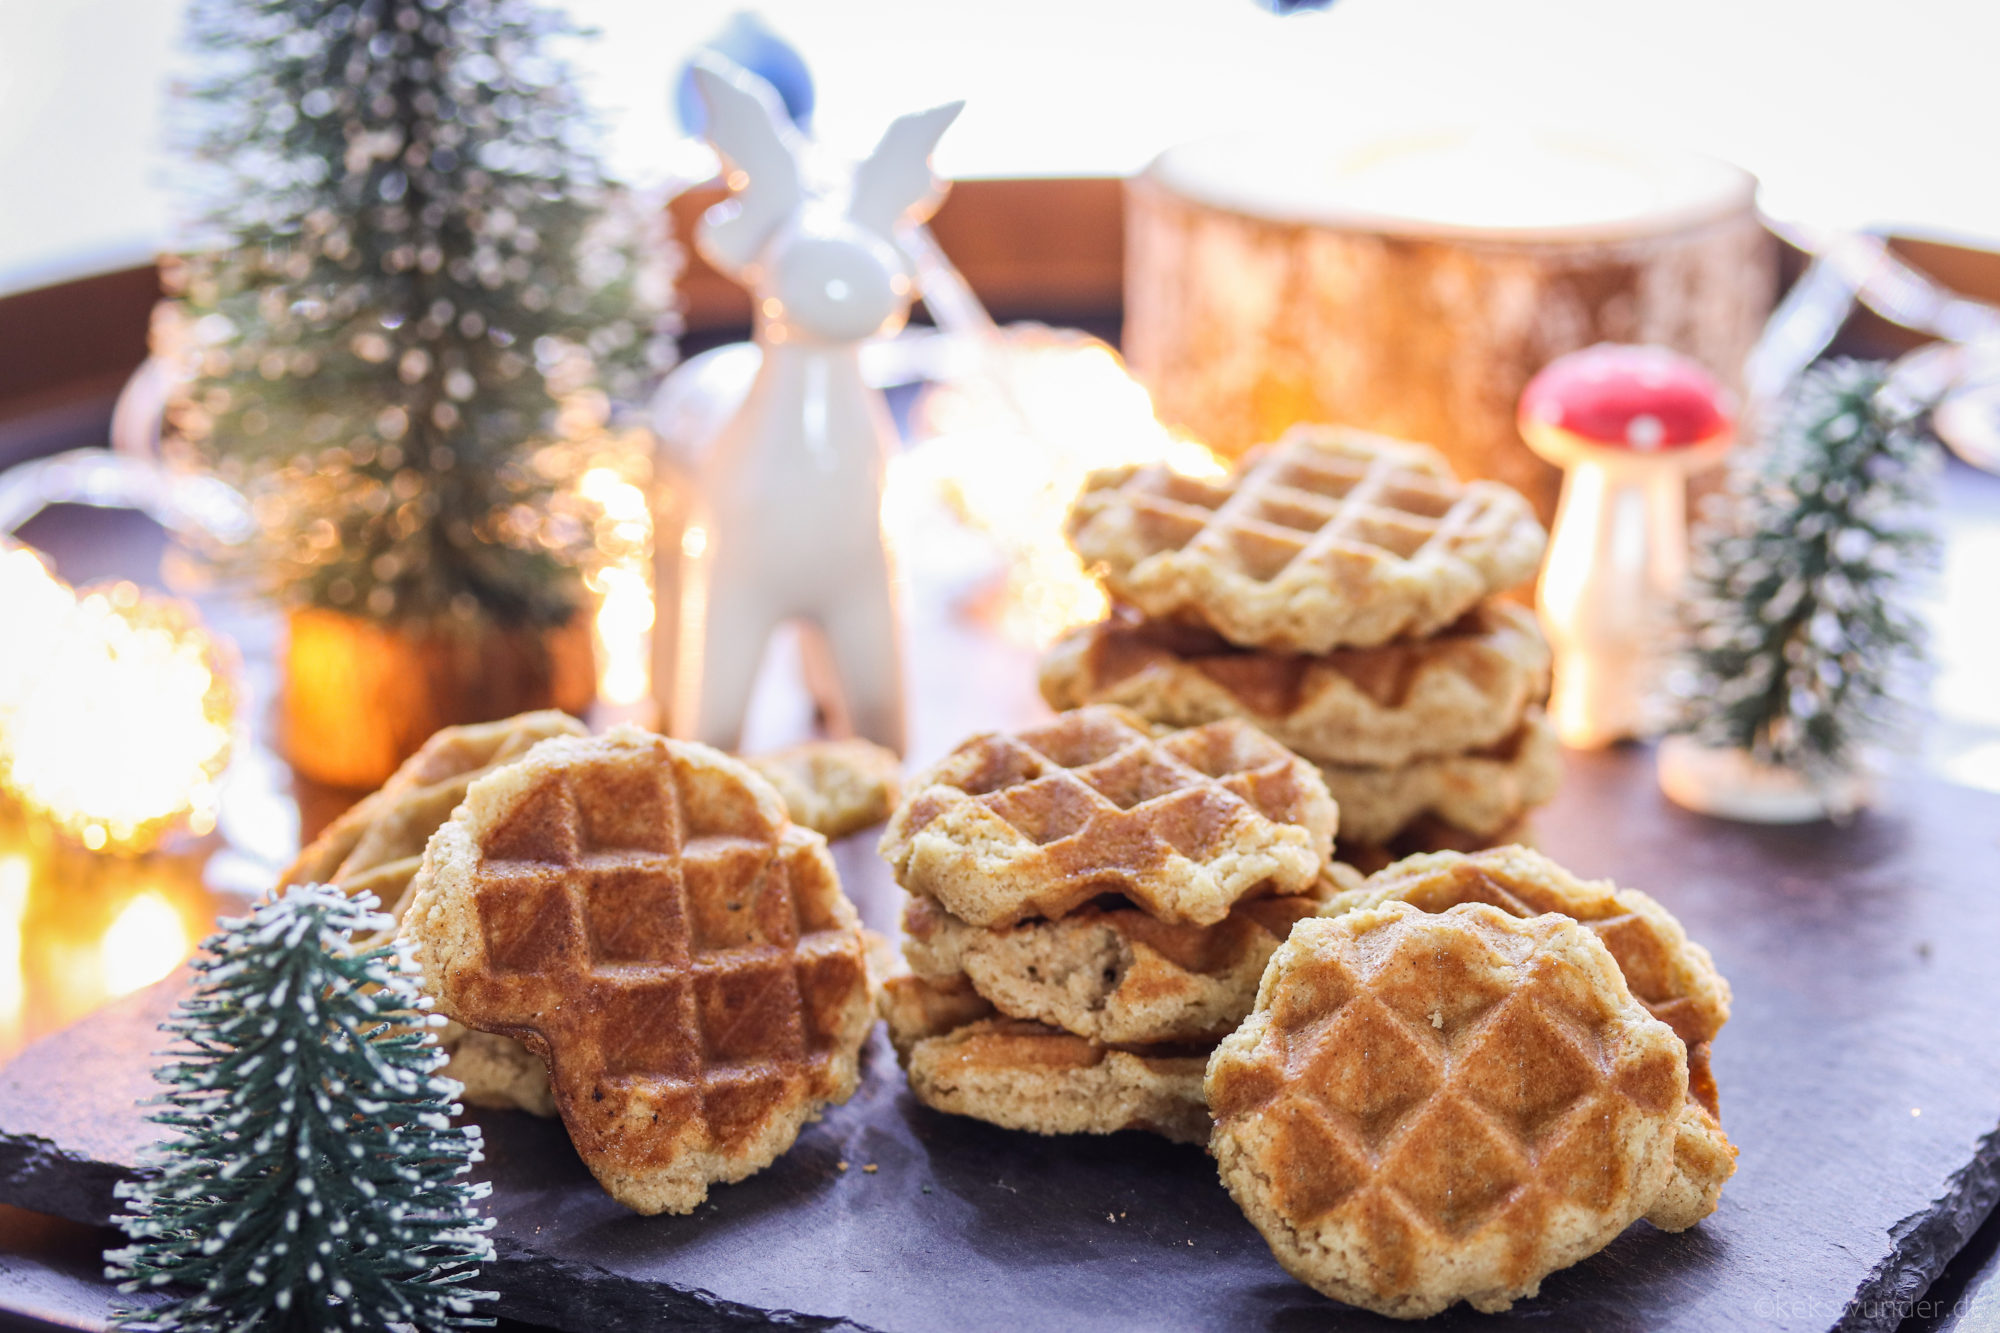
<point x="1029" y="1076"/>
<point x="377" y="845"/>
<point x="1327" y="538"/>
<point x="1426" y="834"/>
<point x="1465" y="688"/>
<point x="1479" y="793"/>
<point x="1110" y="973"/>
<point x="1704" y="1160"/>
<point x="642" y="915"/>
<point x="1432" y="1108"/>
<point x="833" y="788"/>
<point x="1667" y="972"/>
<point x="916" y="1008"/>
<point x="1039" y="822"/>
<point x="1670" y="974"/>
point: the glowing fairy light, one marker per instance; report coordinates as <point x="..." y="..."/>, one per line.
<point x="620" y="576"/>
<point x="37" y="606"/>
<point x="1009" y="458"/>
<point x="13" y="907"/>
<point x="114" y="715"/>
<point x="624" y="635"/>
<point x="144" y="942"/>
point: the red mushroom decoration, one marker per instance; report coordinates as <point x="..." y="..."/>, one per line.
<point x="1627" y="425"/>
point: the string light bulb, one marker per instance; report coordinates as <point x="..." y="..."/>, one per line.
<point x="115" y="715"/>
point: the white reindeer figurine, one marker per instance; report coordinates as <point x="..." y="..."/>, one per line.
<point x="778" y="516"/>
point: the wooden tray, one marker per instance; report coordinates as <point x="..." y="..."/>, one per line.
<point x="1860" y="1077"/>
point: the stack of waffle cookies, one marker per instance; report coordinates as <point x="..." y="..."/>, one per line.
<point x="1091" y="905"/>
<point x="1339" y="591"/>
<point x="1438" y="1083"/>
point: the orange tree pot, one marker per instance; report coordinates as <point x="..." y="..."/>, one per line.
<point x="361" y="695"/>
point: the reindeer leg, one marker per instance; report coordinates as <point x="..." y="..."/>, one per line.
<point x="865" y="641"/>
<point x="725" y="627"/>
<point x="822" y="680"/>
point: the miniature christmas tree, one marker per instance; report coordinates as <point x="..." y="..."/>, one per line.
<point x="415" y="288"/>
<point x="313" y="1179"/>
<point x="1798" y="619"/>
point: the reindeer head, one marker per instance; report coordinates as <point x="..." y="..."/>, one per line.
<point x="822" y="265"/>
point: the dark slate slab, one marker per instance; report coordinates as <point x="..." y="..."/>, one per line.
<point x="1860" y="1076"/>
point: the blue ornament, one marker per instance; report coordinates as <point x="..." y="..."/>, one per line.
<point x="745" y="40"/>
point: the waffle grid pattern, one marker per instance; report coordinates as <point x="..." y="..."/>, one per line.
<point x="1433" y="1103"/>
<point x="377" y="846"/>
<point x="1094" y="803"/>
<point x="1669" y="974"/>
<point x="1327" y="538"/>
<point x="1429" y="1084"/>
<point x="698" y="965"/>
<point x="1301" y="503"/>
<point x="1101" y="769"/>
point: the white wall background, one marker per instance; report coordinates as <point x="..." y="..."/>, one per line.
<point x="1852" y="111"/>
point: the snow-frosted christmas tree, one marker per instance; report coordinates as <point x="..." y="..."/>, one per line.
<point x="312" y="1178"/>
<point x="1800" y="624"/>
<point x="412" y="283"/>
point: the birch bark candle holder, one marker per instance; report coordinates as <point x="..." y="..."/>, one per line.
<point x="1412" y="283"/>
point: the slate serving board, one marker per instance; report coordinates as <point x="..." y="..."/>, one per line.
<point x="1860" y="1076"/>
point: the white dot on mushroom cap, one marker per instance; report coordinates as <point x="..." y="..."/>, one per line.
<point x="1645" y="432"/>
<point x="1549" y="411"/>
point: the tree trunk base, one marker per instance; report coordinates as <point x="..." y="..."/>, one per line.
<point x="360" y="696"/>
<point x="1730" y="784"/>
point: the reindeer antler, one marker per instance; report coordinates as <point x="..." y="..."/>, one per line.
<point x="748" y="126"/>
<point x="896" y="183"/>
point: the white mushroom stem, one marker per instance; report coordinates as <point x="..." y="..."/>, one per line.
<point x="1615" y="565"/>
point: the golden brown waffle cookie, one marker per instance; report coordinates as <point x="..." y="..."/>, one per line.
<point x="1432" y="1108"/>
<point x="914" y="1008"/>
<point x="1667" y="972"/>
<point x="1338" y="877"/>
<point x="1328" y="538"/>
<point x="831" y="787"/>
<point x="1023" y="1075"/>
<point x="1704" y="1160"/>
<point x="1039" y="822"/>
<point x="377" y="846"/>
<point x="1464" y="688"/>
<point x="1428" y="833"/>
<point x="1480" y="792"/>
<point x="834" y="787"/>
<point x="1110" y="973"/>
<point x="496" y="1071"/>
<point x="641" y="913"/>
